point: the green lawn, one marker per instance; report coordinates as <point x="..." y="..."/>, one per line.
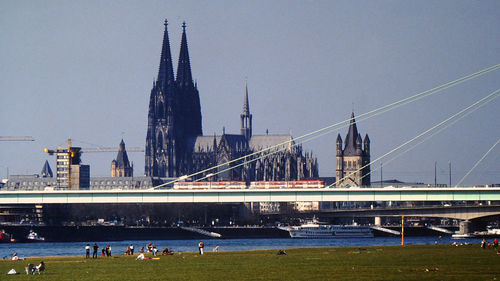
<point x="429" y="262"/>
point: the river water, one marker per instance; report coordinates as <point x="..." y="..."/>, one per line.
<point x="118" y="247"/>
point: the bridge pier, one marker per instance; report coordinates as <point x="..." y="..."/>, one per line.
<point x="465" y="227"/>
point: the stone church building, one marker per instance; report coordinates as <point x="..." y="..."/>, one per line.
<point x="176" y="146"/>
<point x="120" y="167"/>
<point x="353" y="161"/>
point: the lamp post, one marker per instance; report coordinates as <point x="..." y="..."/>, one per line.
<point x="381" y="180"/>
<point x="435" y="173"/>
<point x="449" y="166"/>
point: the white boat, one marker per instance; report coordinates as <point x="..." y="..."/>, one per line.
<point x="34" y="237"/>
<point x="490" y="232"/>
<point x="317" y="230"/>
<point x="462" y="235"/>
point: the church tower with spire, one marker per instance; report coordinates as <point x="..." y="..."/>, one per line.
<point x="246" y="117"/>
<point x="352" y="168"/>
<point x="121" y="167"/>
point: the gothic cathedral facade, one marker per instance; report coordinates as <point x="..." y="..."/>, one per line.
<point x="175" y="145"/>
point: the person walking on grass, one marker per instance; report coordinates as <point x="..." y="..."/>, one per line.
<point x="94" y="254"/>
<point x="87" y="251"/>
<point x="200" y="247"/>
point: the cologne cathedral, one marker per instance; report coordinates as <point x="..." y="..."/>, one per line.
<point x="175" y="145"/>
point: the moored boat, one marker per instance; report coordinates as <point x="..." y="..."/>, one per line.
<point x="34" y="237"/>
<point x="462" y="235"/>
<point x="315" y="229"/>
<point x="489" y="233"/>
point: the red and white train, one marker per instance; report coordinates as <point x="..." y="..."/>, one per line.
<point x="253" y="185"/>
<point x="210" y="185"/>
<point x="287" y="184"/>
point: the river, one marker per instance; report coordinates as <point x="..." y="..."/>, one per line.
<point x="118" y="247"/>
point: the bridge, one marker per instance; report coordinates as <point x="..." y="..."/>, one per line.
<point x="166" y="196"/>
<point x="461" y="212"/>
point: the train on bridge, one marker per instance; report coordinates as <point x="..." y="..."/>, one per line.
<point x="201" y="185"/>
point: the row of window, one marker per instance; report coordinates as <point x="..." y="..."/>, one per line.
<point x="109" y="182"/>
<point x="352" y="164"/>
<point x="31" y="183"/>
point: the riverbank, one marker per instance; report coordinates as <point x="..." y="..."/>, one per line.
<point x="122" y="233"/>
<point x="418" y="262"/>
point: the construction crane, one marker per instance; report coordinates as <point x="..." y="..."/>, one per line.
<point x="71" y="155"/>
<point x="65" y="158"/>
<point x="7" y="138"/>
<point x="111" y="149"/>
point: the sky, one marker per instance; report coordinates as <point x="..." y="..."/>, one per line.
<point x="84" y="70"/>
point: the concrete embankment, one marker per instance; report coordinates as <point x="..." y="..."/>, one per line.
<point x="120" y="233"/>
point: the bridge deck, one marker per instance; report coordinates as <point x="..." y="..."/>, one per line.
<point x="250" y="195"/>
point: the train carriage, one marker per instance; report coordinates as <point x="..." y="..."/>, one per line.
<point x="201" y="185"/>
<point x="287" y="184"/>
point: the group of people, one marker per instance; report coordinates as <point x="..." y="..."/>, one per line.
<point x="105" y="252"/>
<point x="485" y="244"/>
<point x="150" y="248"/>
<point x="129" y="250"/>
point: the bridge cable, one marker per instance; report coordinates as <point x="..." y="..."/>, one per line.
<point x="477" y="163"/>
<point x="433" y="134"/>
<point x="382" y="109"/>
<point x="488" y="165"/>
<point x="488" y="97"/>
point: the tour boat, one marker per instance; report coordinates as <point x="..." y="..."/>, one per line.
<point x="462" y="235"/>
<point x="489" y="233"/>
<point x="317" y="230"/>
<point x="34" y="237"/>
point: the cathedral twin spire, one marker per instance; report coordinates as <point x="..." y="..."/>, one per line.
<point x="166" y="70"/>
<point x="174" y="112"/>
<point x="184" y="77"/>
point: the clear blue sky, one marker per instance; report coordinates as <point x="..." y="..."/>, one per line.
<point x="84" y="69"/>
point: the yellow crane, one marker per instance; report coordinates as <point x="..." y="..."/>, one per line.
<point x="71" y="155"/>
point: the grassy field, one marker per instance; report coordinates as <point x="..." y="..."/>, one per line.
<point x="429" y="262"/>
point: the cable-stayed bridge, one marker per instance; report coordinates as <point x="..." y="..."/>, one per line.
<point x="252" y="195"/>
<point x="352" y="194"/>
<point x="389" y="156"/>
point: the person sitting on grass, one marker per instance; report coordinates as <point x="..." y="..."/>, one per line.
<point x="166" y="252"/>
<point x="39" y="268"/>
<point x="30" y="269"/>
